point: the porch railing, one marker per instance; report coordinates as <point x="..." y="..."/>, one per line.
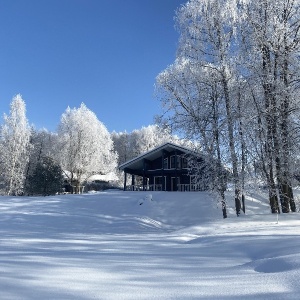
<point x="158" y="187"/>
<point x="190" y="187"/>
<point x="149" y="187"/>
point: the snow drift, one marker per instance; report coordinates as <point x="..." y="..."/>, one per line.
<point x="141" y="245"/>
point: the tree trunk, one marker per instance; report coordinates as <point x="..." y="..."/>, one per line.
<point x="243" y="154"/>
<point x="288" y="198"/>
<point x="271" y="138"/>
<point x="220" y="179"/>
<point x="237" y="188"/>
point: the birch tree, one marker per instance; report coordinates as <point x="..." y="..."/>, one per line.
<point x="15" y="137"/>
<point x="192" y="103"/>
<point x="85" y="145"/>
<point x="251" y="51"/>
<point x="207" y="41"/>
<point x="271" y="54"/>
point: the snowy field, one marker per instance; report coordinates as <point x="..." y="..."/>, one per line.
<point x="123" y="245"/>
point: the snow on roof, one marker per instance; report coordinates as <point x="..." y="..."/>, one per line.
<point x="107" y="177"/>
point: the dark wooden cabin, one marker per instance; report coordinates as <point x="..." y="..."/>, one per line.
<point x="164" y="168"/>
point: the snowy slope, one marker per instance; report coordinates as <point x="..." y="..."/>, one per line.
<point x="141" y="245"/>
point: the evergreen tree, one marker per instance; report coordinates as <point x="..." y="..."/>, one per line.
<point x="43" y="144"/>
<point x="47" y="178"/>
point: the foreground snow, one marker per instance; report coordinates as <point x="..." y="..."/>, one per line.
<point x="139" y="245"/>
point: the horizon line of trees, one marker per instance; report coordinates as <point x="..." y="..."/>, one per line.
<point x="38" y="162"/>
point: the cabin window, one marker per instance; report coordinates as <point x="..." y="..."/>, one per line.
<point x="184" y="163"/>
<point x="172" y="162"/>
<point x="178" y="162"/>
<point x="175" y="163"/>
<point x="166" y="163"/>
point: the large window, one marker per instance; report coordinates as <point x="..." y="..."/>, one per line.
<point x="175" y="162"/>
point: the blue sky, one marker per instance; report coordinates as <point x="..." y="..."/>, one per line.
<point x="105" y="53"/>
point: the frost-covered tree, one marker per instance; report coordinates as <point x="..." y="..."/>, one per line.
<point x="193" y="99"/>
<point x="147" y="138"/>
<point x="270" y="35"/>
<point x="85" y="146"/>
<point x="250" y="49"/>
<point x="205" y="65"/>
<point x="122" y="146"/>
<point x="15" y="137"/>
<point x="130" y="145"/>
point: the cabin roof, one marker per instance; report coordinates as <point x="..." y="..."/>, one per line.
<point x="137" y="162"/>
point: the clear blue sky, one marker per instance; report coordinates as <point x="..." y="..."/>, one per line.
<point x="105" y="53"/>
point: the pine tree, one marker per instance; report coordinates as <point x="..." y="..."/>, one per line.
<point x="47" y="178"/>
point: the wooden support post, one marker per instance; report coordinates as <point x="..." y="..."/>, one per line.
<point x="163" y="171"/>
<point x="125" y="179"/>
<point x="176" y="173"/>
<point x="132" y="181"/>
<point x="144" y="167"/>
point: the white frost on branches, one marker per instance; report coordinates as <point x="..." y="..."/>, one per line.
<point x="15" y="138"/>
<point x="86" y="147"/>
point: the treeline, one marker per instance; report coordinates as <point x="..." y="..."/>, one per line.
<point x="130" y="145"/>
<point x="39" y="162"/>
<point x="234" y="87"/>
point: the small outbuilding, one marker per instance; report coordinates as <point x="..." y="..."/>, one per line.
<point x="164" y="168"/>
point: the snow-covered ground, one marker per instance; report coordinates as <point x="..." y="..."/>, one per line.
<point x="141" y="245"/>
